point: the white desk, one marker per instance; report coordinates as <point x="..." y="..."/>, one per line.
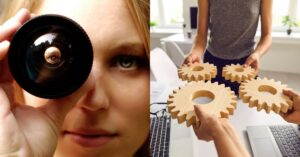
<point x="243" y="116"/>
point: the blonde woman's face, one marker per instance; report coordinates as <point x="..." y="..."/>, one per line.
<point x="112" y="119"/>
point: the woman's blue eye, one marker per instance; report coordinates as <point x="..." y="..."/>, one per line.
<point x="130" y="62"/>
<point x="127" y="61"/>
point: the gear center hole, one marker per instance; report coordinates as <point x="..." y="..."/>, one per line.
<point x="239" y="69"/>
<point x="198" y="68"/>
<point x="203" y="97"/>
<point x="266" y="89"/>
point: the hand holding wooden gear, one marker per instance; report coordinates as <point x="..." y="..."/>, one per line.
<point x="197" y="72"/>
<point x="254" y="92"/>
<point x="238" y="73"/>
<point x="181" y="104"/>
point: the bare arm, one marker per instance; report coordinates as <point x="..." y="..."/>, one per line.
<point x="199" y="44"/>
<point x="265" y="39"/>
<point x="226" y="139"/>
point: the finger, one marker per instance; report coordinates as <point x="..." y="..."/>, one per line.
<point x="32" y="15"/>
<point x="199" y="112"/>
<point x="5" y="103"/>
<point x="4" y="46"/>
<point x="290" y="94"/>
<point x="195" y="127"/>
<point x="249" y="61"/>
<point x="292" y="118"/>
<point x="8" y="29"/>
<point x="57" y="109"/>
<point x="185" y="61"/>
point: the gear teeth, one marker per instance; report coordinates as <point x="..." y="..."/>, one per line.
<point x="175" y="91"/>
<point x="207" y="77"/>
<point x="170" y="101"/>
<point x="253" y="103"/>
<point x="237" y="73"/>
<point x="268" y="108"/>
<point x="276" y="108"/>
<point x="224" y="114"/>
<point x="245" y="98"/>
<point x="190" y="118"/>
<point x="194" y="73"/>
<point x="174" y="113"/>
<point x="284" y="108"/>
<point x="170" y="107"/>
<point x="181" y="117"/>
<point x="276" y="102"/>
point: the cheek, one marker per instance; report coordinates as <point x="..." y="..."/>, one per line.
<point x="33" y="101"/>
<point x="134" y="105"/>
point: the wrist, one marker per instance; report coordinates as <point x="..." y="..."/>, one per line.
<point x="218" y="133"/>
<point x="257" y="54"/>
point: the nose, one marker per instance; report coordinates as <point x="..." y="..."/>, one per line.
<point x="97" y="97"/>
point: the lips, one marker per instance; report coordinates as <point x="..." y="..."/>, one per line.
<point x="90" y="138"/>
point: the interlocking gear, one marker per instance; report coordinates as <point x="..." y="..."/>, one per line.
<point x="238" y="73"/>
<point x="265" y="94"/>
<point x="181" y="104"/>
<point x="197" y="72"/>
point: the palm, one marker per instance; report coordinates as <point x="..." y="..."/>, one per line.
<point x="28" y="131"/>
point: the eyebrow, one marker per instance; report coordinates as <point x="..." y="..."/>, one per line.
<point x="130" y="47"/>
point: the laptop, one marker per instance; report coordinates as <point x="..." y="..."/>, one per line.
<point x="274" y="141"/>
<point x="169" y="139"/>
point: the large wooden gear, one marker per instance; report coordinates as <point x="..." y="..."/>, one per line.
<point x="238" y="73"/>
<point x="197" y="72"/>
<point x="181" y="104"/>
<point x="254" y="92"/>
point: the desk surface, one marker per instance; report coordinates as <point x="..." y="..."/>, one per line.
<point x="243" y="116"/>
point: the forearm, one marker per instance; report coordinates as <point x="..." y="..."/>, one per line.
<point x="263" y="44"/>
<point x="266" y="28"/>
<point x="228" y="143"/>
<point x="199" y="44"/>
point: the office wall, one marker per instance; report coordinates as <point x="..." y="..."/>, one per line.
<point x="282" y="57"/>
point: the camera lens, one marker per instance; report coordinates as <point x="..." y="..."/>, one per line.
<point x="50" y="56"/>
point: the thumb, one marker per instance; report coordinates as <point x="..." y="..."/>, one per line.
<point x="57" y="109"/>
<point x="249" y="61"/>
<point x="290" y="94"/>
<point x="292" y="118"/>
<point x="199" y="112"/>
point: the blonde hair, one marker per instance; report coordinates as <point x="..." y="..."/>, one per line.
<point x="140" y="10"/>
<point x="11" y="7"/>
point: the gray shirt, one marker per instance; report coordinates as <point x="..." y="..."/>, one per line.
<point x="232" y="24"/>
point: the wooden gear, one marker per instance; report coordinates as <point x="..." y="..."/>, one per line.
<point x="197" y="72"/>
<point x="252" y="92"/>
<point x="181" y="105"/>
<point x="238" y="73"/>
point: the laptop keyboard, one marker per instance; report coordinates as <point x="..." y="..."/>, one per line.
<point x="287" y="140"/>
<point x="160" y="136"/>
